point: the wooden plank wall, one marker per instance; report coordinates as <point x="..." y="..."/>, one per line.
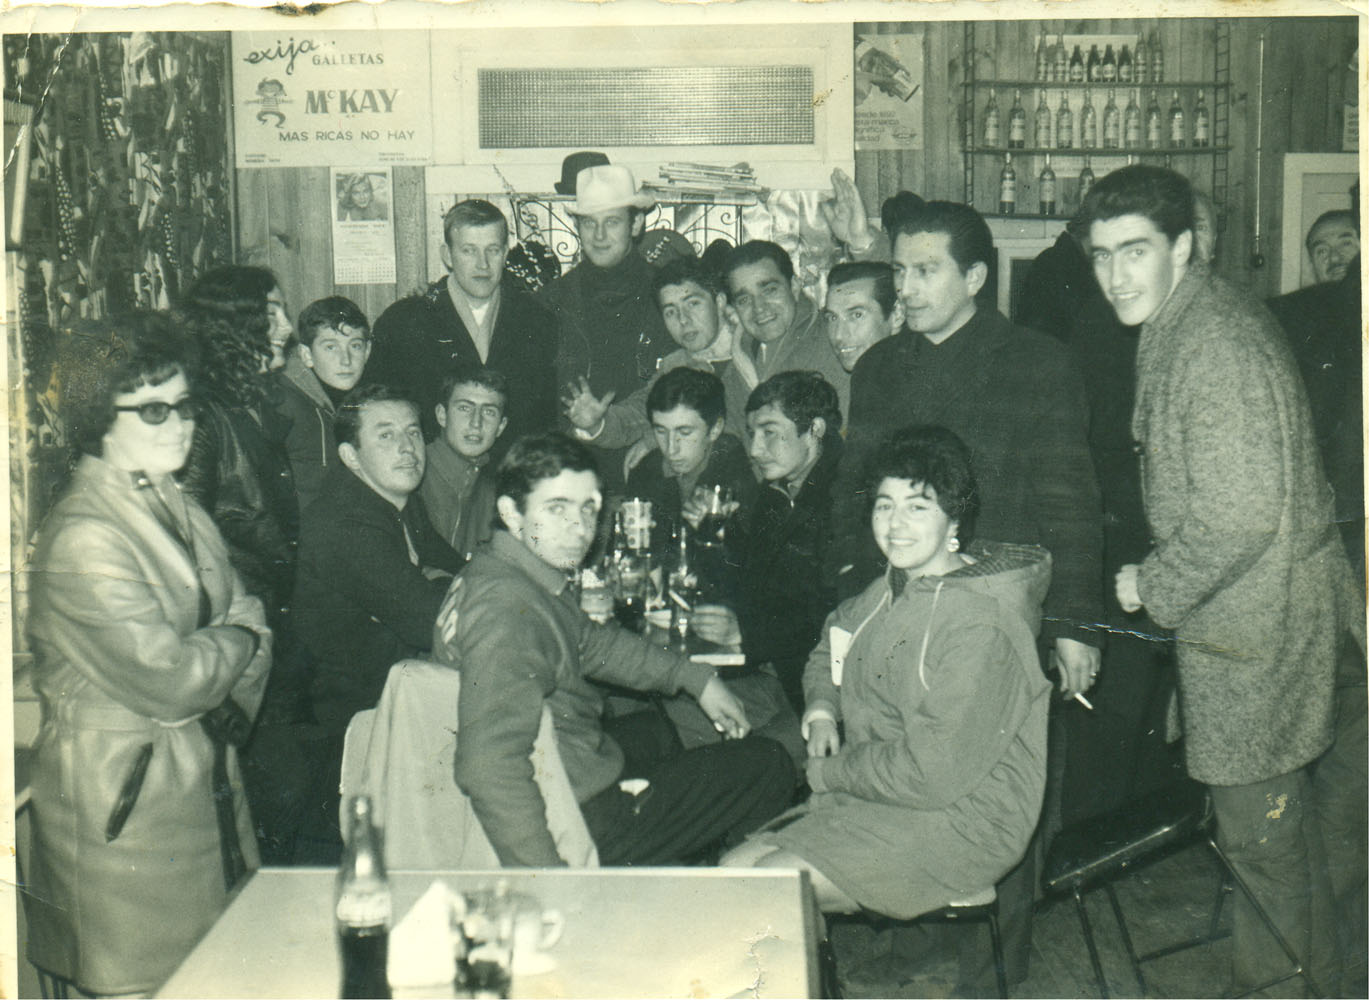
<point x="283" y="214"/>
<point x="1304" y="88"/>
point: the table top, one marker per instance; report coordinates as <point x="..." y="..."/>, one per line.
<point x="629" y="932"/>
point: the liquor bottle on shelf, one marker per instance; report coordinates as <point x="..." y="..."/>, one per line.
<point x="1108" y="69"/>
<point x="1131" y="123"/>
<point x="1157" y="59"/>
<point x="1112" y="123"/>
<point x="1094" y="68"/>
<point x="1042" y="135"/>
<point x="993" y="132"/>
<point x="1078" y="74"/>
<point x="1043" y="59"/>
<point x="1176" y="123"/>
<point x="1045" y="184"/>
<point x="1140" y="70"/>
<point x="1064" y="124"/>
<point x="1088" y="124"/>
<point x="1202" y="124"/>
<point x="362" y="907"/>
<point x="1126" y="73"/>
<point x="1017" y="122"/>
<point x="1007" y="187"/>
<point x="1154" y="123"/>
<point x="1062" y="60"/>
<point x="1086" y="179"/>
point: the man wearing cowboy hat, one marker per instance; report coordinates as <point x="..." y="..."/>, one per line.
<point x="611" y="331"/>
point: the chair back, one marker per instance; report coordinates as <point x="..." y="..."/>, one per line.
<point x="403" y="752"/>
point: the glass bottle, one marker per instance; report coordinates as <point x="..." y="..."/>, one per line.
<point x="1064" y="124"/>
<point x="682" y="590"/>
<point x="1045" y="184"/>
<point x="1093" y="67"/>
<point x="1017" y="122"/>
<point x="363" y="907"/>
<point x="1107" y="70"/>
<point x="1086" y="180"/>
<point x="1125" y="71"/>
<point x="1176" y="122"/>
<point x="1140" y="70"/>
<point x="1157" y="59"/>
<point x="1078" y="74"/>
<point x="1043" y="122"/>
<point x="1007" y="187"/>
<point x="1112" y="123"/>
<point x="1131" y="123"/>
<point x="1202" y="123"/>
<point x="1043" y="59"/>
<point x="1154" y="123"/>
<point x="993" y="134"/>
<point x="1062" y="60"/>
<point x="1088" y="124"/>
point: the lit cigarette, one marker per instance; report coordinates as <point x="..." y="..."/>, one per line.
<point x="1083" y="701"/>
<point x="679" y="600"/>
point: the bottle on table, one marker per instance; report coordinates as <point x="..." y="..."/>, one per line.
<point x="1064" y="124"/>
<point x="362" y="907"/>
<point x="1154" y="123"/>
<point x="1202" y="123"/>
<point x="1078" y="72"/>
<point x="1007" y="187"/>
<point x="1112" y="123"/>
<point x="1043" y="122"/>
<point x="1176" y="122"/>
<point x="1131" y="127"/>
<point x="1088" y="124"/>
<point x="632" y="566"/>
<point x="993" y="134"/>
<point x="1045" y="184"/>
<point x="681" y="590"/>
<point x="1017" y="122"/>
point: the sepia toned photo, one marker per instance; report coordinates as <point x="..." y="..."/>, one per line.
<point x="636" y="500"/>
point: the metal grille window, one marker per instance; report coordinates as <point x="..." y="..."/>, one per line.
<point x="646" y="106"/>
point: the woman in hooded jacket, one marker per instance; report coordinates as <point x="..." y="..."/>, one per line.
<point x="926" y="708"/>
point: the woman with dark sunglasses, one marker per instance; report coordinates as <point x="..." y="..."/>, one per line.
<point x="150" y="659"/>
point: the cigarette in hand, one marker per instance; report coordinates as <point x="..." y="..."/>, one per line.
<point x="1082" y="700"/>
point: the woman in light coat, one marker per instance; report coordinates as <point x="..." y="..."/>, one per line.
<point x="933" y="790"/>
<point x="150" y="659"/>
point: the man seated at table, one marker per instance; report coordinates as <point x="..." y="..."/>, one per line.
<point x="784" y="590"/>
<point x="687" y="409"/>
<point x="513" y="626"/>
<point x="372" y="571"/>
<point x="458" y="484"/>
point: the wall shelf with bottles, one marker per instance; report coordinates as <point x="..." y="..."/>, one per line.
<point x="1040" y="143"/>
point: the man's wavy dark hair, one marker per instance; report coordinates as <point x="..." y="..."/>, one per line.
<point x="536" y="457"/>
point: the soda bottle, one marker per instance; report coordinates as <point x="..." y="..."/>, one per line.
<point x="362" y="908"/>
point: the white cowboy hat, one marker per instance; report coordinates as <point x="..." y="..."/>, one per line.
<point x="606" y="187"/>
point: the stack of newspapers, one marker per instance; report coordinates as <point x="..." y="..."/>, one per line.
<point x="706" y="182"/>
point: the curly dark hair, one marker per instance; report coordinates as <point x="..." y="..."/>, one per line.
<point x="98" y="360"/>
<point x="535" y="457"/>
<point x="933" y="456"/>
<point x="225" y="312"/>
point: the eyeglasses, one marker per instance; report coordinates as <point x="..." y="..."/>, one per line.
<point x="156" y="413"/>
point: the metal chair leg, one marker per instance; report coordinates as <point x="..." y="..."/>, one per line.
<point x="1093" y="948"/>
<point x="999" y="972"/>
<point x="1289" y="953"/>
<point x="1126" y="936"/>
